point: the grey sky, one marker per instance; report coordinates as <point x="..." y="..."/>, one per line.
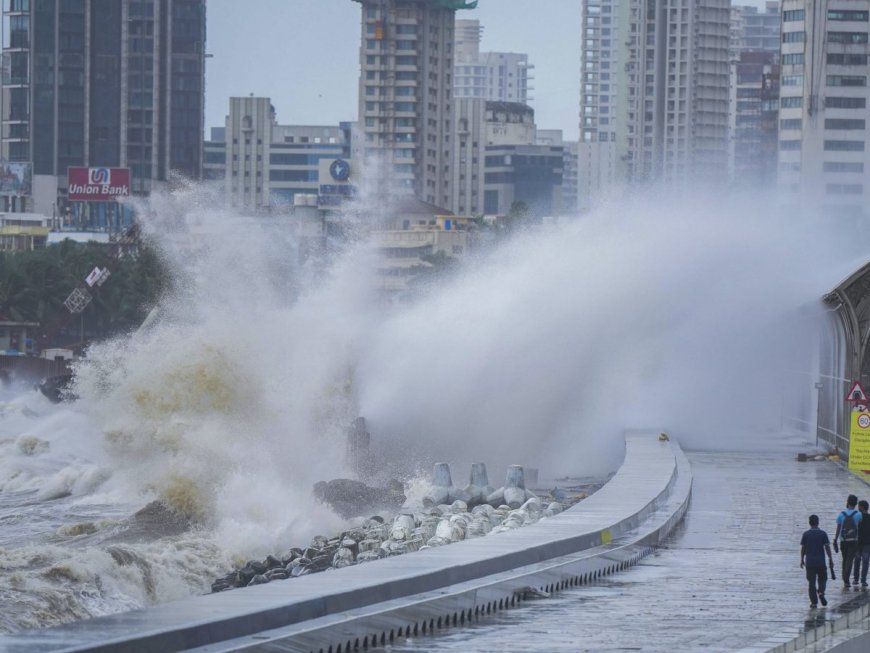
<point x="304" y="55"/>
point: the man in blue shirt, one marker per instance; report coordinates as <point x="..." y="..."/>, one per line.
<point x="814" y="546"/>
<point x="847" y="536"/>
<point x="862" y="554"/>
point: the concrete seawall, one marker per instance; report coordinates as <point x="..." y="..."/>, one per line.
<point x="360" y="606"/>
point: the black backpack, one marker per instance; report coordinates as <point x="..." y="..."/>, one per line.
<point x="849" y="530"/>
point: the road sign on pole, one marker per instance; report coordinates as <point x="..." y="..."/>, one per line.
<point x="856" y="393"/>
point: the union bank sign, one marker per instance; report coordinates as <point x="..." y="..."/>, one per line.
<point x="98" y="184"/>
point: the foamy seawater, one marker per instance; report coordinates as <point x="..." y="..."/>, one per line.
<point x="653" y="312"/>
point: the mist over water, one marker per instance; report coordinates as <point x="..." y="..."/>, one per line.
<point x="654" y="312"/>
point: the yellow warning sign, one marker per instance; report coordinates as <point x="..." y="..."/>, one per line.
<point x="859" y="443"/>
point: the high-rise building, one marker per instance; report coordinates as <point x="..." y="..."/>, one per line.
<point x="823" y="154"/>
<point x="499" y="160"/>
<point x="753" y="29"/>
<point x="654" y="93"/>
<point x="102" y="83"/>
<point x="755" y="46"/>
<point x="406" y="96"/>
<point x="494" y="76"/>
<point x="751" y="162"/>
<point x="263" y="165"/>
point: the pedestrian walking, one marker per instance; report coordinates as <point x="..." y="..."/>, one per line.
<point x="862" y="553"/>
<point x="847" y="536"/>
<point x="814" y="545"/>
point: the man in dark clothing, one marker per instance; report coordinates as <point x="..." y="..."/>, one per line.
<point x="862" y="554"/>
<point x="847" y="536"/>
<point x="814" y="546"/>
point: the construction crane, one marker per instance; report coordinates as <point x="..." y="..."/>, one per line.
<point x="82" y="294"/>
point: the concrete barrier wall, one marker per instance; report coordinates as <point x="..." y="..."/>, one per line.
<point x="415" y="592"/>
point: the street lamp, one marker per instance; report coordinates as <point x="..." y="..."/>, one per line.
<point x="818" y="385"/>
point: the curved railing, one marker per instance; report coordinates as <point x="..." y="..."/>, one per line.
<point x="359" y="606"/>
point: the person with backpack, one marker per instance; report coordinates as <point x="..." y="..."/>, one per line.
<point x="847" y="536"/>
<point x="862" y="552"/>
<point x="814" y="546"/>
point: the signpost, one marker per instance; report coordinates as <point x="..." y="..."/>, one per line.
<point x="97" y="184"/>
<point x="859" y="431"/>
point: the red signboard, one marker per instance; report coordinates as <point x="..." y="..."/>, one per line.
<point x="98" y="184"/>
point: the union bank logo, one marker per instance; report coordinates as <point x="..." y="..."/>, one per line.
<point x="99" y="176"/>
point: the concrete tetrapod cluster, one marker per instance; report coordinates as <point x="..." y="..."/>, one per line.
<point x="513" y="494"/>
<point x="413" y="530"/>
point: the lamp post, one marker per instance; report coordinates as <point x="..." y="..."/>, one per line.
<point x="818" y="385"/>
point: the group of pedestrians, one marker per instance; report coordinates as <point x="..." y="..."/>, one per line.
<point x="852" y="541"/>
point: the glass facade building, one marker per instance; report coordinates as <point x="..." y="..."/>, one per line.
<point x="109" y="83"/>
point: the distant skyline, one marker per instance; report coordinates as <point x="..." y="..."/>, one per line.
<point x="304" y="54"/>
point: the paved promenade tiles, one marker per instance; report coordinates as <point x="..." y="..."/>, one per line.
<point x="728" y="579"/>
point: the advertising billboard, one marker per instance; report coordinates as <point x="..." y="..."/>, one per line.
<point x="15" y="178"/>
<point x="98" y="184"/>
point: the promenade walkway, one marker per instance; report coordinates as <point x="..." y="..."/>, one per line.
<point x="728" y="579"/>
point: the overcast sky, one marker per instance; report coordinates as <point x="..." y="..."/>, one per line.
<point x="304" y="54"/>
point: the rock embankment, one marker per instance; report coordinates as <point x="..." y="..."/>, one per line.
<point x="413" y="529"/>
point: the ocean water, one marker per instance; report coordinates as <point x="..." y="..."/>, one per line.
<point x="650" y="313"/>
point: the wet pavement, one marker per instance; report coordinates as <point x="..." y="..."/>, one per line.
<point x="728" y="579"/>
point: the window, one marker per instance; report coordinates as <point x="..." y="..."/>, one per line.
<point x="844" y="166"/>
<point x="847" y="37"/>
<point x="793" y="37"/>
<point x="844" y="146"/>
<point x="845" y="102"/>
<point x="856" y="16"/>
<point x="788" y="16"/>
<point x="792" y="80"/>
<point x="847" y="80"/>
<point x="790" y="123"/>
<point x="792" y="102"/>
<point x="845" y="123"/>
<point x="790" y="145"/>
<point x="844" y="189"/>
<point x="844" y="59"/>
<point x="406" y="61"/>
<point x="794" y="59"/>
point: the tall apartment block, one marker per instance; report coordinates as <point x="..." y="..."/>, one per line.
<point x="494" y="76"/>
<point x="102" y="83"/>
<point x="823" y="160"/>
<point x="406" y="96"/>
<point x="654" y="93"/>
<point x="755" y="45"/>
<point x="753" y="29"/>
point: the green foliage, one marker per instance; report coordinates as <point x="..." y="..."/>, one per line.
<point x="34" y="285"/>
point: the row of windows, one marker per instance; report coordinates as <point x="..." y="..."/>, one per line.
<point x="844" y="166"/>
<point x="846" y="59"/>
<point x="293" y="175"/>
<point x="847" y="37"/>
<point x="830" y="102"/>
<point x="844" y="146"/>
<point x="846" y="80"/>
<point x="845" y="123"/>
<point x="844" y="189"/>
<point x="857" y="16"/>
<point x="845" y="102"/>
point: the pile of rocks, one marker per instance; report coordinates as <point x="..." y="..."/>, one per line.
<point x="411" y="530"/>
